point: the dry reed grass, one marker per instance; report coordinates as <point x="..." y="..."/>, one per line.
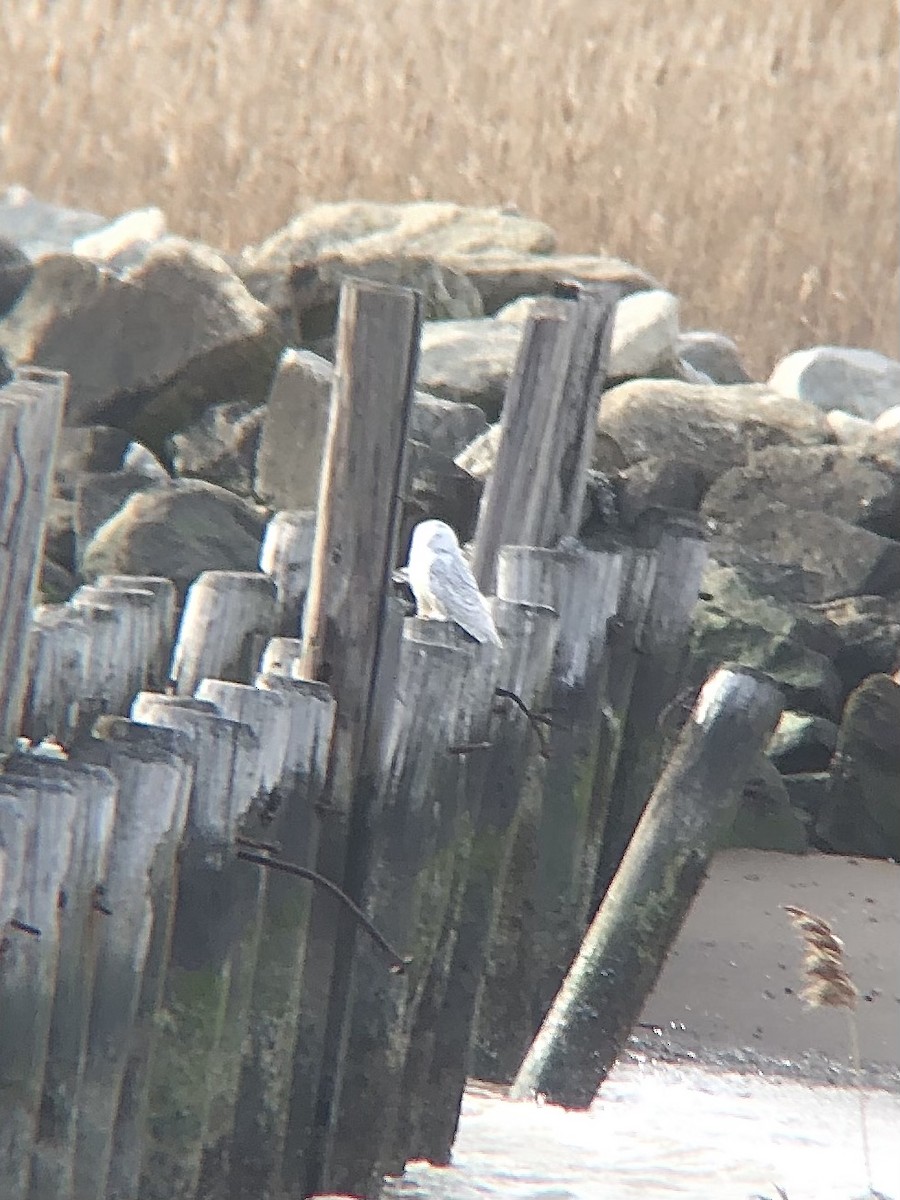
<point x="746" y="154"/>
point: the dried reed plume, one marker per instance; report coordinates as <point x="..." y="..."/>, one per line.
<point x="827" y="984"/>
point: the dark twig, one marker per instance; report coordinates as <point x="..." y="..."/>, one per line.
<point x="400" y="963"/>
<point x="536" y="720"/>
<point x="469" y="747"/>
<point x="250" y="844"/>
<point x="23" y="927"/>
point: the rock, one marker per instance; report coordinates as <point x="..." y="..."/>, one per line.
<point x="712" y="426"/>
<point x="834" y="557"/>
<point x="38" y="228"/>
<point x="5" y="372"/>
<point x="862" y="812"/>
<point x="848" y="430"/>
<point x="830" y="480"/>
<point x="765" y="818"/>
<point x="306" y="296"/>
<point x="437" y="487"/>
<point x="479" y="456"/>
<point x="808" y="791"/>
<point x="445" y="425"/>
<point x="295" y="423"/>
<point x="802" y="742"/>
<point x="369" y="229"/>
<point x="144" y="462"/>
<point x="469" y="361"/>
<point x="861" y="382"/>
<point x="150" y="351"/>
<point x="124" y="242"/>
<point x="714" y="354"/>
<point x="658" y="483"/>
<point x="177" y="531"/>
<point x="15" y="273"/>
<point x="97" y="498"/>
<point x="739" y="624"/>
<point x="645" y="331"/>
<point x="59" y="535"/>
<point x="503" y="277"/>
<point x="87" y="448"/>
<point x="56" y="584"/>
<point x="221" y="447"/>
<point x="867" y="629"/>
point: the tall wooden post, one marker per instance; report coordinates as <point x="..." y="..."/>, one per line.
<point x="343" y="645"/>
<point x="31" y="409"/>
<point x="665" y="864"/>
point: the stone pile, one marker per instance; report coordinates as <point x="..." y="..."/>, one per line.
<point x="198" y="405"/>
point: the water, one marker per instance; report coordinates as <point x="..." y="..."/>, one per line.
<point x="669" y="1130"/>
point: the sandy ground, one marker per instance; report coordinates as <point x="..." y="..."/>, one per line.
<point x="728" y="992"/>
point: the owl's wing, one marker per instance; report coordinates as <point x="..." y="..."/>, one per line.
<point x="455" y="590"/>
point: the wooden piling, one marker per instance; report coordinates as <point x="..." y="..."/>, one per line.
<point x="205" y="934"/>
<point x="31" y="408"/>
<point x="281" y="657"/>
<point x="111" y="656"/>
<point x="275" y="1018"/>
<point x="139" y="635"/>
<point x="59" y="648"/>
<point x="461" y="790"/>
<point x="663" y="868"/>
<point x="663" y="645"/>
<point x="165" y="603"/>
<point x="153" y="769"/>
<point x="405" y="896"/>
<point x="36" y="818"/>
<point x="354" y="553"/>
<point x="535" y="493"/>
<point x="228" y="618"/>
<point x="561" y="825"/>
<point x="286" y="557"/>
<point x="266" y="712"/>
<point x="94" y="794"/>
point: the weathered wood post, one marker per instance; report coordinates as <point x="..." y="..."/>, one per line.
<point x="165" y="603"/>
<point x="94" y="794"/>
<point x="400" y="895"/>
<point x="35" y="827"/>
<point x="343" y="645"/>
<point x="665" y="864"/>
<point x="154" y="770"/>
<point x="536" y="491"/>
<point x="31" y="408"/>
<point x="529" y="635"/>
<point x="228" y="617"/>
<point x="266" y="712"/>
<point x="286" y="556"/>
<point x="205" y="932"/>
<point x="461" y="792"/>
<point x="282" y="657"/>
<point x="139" y="635"/>
<point x="681" y="557"/>
<point x="110" y="658"/>
<point x="59" y="648"/>
<point x="275" y="1017"/>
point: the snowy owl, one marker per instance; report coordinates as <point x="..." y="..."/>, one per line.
<point x="444" y="586"/>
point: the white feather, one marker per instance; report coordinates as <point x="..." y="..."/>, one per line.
<point x="443" y="584"/>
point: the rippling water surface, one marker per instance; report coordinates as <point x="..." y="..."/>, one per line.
<point x="666" y="1130"/>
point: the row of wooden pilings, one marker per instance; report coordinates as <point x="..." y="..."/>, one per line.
<point x="183" y="1013"/>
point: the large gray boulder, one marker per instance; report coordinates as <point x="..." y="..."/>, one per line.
<point x="712" y="426"/>
<point x="221" y="446"/>
<point x="295" y="424"/>
<point x="39" y="228"/>
<point x="469" y="361"/>
<point x="428" y="229"/>
<point x="148" y="351"/>
<point x="306" y="295"/>
<point x="861" y="382"/>
<point x="15" y="272"/>
<point x="716" y="355"/>
<point x="177" y="531"/>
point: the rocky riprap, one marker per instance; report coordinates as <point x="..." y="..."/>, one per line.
<point x="198" y="405"/>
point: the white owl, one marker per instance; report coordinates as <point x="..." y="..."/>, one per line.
<point x="444" y="586"/>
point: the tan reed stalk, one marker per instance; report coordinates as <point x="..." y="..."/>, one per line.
<point x="828" y="985"/>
